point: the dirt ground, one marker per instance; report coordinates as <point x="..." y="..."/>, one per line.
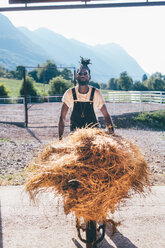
<point x="24" y="225"/>
<point x="47" y="114"/>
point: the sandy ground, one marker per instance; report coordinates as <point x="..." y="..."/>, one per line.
<point x="24" y="225"/>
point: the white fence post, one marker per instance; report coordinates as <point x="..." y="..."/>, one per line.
<point x="161" y="99"/>
<point x="140" y="102"/>
<point x="113" y="103"/>
<point x="150" y="98"/>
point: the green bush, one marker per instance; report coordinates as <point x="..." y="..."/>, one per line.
<point x="31" y="87"/>
<point x="152" y="119"/>
<point x="4" y="92"/>
<point x="58" y="85"/>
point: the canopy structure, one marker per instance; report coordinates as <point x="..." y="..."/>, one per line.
<point x="23" y="5"/>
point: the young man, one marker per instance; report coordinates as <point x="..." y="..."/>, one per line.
<point x="84" y="101"/>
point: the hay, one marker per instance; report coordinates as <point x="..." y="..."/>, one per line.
<point x="92" y="170"/>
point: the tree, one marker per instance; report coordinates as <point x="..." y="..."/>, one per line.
<point x="2" y="72"/>
<point x="139" y="86"/>
<point x="31" y="89"/>
<point x="94" y="84"/>
<point x="124" y="82"/>
<point x="144" y="77"/>
<point x="103" y="86"/>
<point x="67" y="74"/>
<point x="159" y="84"/>
<point x="155" y="82"/>
<point x="19" y="72"/>
<point x="157" y="75"/>
<point x="4" y="92"/>
<point x="58" y="85"/>
<point x="33" y="74"/>
<point x="47" y="72"/>
<point x="112" y="84"/>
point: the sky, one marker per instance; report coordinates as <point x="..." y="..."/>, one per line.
<point x="139" y="30"/>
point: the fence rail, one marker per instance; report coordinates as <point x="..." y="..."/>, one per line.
<point x="153" y="97"/>
<point x="157" y="97"/>
<point x="11" y="100"/>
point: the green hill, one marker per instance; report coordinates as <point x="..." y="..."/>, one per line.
<point x="14" y="85"/>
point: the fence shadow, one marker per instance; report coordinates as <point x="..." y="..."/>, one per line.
<point x="33" y="135"/>
<point x="19" y="124"/>
<point x="1" y="237"/>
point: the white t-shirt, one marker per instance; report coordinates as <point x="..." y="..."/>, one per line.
<point x="98" y="100"/>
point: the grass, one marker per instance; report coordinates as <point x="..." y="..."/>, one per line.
<point x="3" y="140"/>
<point x="12" y="179"/>
<point x="152" y="119"/>
<point x="16" y="178"/>
<point x="13" y="85"/>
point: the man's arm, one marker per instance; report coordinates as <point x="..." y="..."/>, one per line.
<point x="108" y="119"/>
<point x="61" y="123"/>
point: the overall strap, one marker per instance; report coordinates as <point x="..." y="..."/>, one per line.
<point x="92" y="94"/>
<point x="74" y="94"/>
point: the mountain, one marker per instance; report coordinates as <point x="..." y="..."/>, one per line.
<point x="65" y="51"/>
<point x="16" y="48"/>
<point x="107" y="60"/>
<point x="20" y="46"/>
<point x="118" y="60"/>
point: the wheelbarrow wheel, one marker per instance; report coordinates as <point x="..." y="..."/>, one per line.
<point x="91" y="234"/>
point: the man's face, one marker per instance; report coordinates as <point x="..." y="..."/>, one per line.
<point x="83" y="76"/>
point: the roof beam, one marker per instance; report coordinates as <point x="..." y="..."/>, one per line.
<point x="85" y="6"/>
<point x="43" y="1"/>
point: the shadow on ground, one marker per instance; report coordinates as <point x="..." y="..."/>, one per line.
<point x="118" y="239"/>
<point x="33" y="135"/>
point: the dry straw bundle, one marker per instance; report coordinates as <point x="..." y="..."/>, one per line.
<point x="92" y="170"/>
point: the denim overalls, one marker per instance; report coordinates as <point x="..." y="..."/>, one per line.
<point x="83" y="113"/>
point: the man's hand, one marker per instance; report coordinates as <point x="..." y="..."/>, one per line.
<point x="110" y="129"/>
<point x="108" y="120"/>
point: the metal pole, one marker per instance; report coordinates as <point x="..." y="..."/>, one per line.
<point x="25" y="97"/>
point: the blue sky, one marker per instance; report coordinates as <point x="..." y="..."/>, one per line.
<point x="140" y="30"/>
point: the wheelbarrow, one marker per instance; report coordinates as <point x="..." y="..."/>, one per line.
<point x="94" y="232"/>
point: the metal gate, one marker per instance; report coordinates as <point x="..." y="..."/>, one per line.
<point x="12" y="110"/>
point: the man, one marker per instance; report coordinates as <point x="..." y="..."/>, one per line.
<point x="84" y="100"/>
